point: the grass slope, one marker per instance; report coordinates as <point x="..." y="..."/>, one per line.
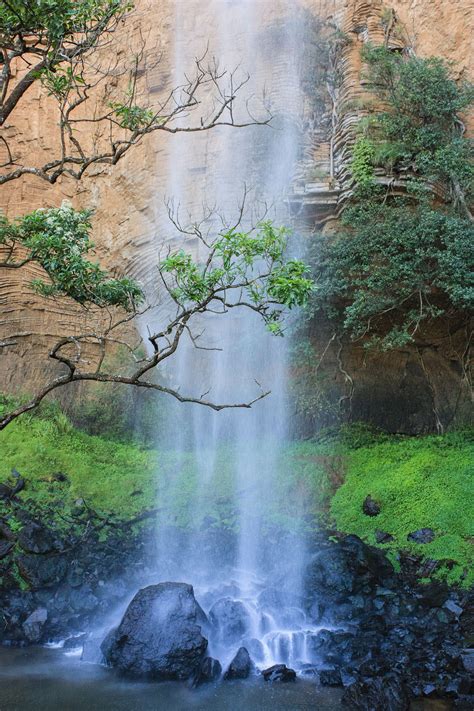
<point x="419" y="482"/>
<point x="104" y="473"/>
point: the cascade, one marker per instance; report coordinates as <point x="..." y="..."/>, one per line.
<point x="250" y="588"/>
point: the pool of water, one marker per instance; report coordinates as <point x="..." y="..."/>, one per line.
<point x="40" y="679"/>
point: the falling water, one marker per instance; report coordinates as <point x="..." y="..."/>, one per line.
<point x="226" y="464"/>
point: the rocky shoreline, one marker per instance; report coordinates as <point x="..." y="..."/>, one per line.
<point x="382" y="637"/>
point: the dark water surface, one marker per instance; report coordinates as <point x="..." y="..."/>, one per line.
<point x="37" y="679"/>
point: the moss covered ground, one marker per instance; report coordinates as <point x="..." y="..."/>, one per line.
<point x="425" y="482"/>
<point x="418" y="482"/>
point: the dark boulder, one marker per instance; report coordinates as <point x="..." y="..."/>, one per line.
<point x="34" y="538"/>
<point x="328" y="571"/>
<point x="6" y="492"/>
<point x="34" y="623"/>
<point x="60" y="477"/>
<point x="342" y="567"/>
<point x="230" y="620"/>
<point x="82" y="599"/>
<point x="208" y="672"/>
<point x="330" y="676"/>
<point x="160" y="634"/>
<point x="6" y="532"/>
<point x="241" y="666"/>
<point x="367" y="559"/>
<point x="435" y="594"/>
<point x="279" y="672"/>
<point x="453" y="607"/>
<point x="41" y="571"/>
<point x="383" y="537"/>
<point x="5" y="548"/>
<point x="380" y="694"/>
<point x="370" y="507"/>
<point x="423" y="535"/>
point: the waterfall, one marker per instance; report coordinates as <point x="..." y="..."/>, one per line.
<point x="221" y="471"/>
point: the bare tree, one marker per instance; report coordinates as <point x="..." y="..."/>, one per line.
<point x="101" y="108"/>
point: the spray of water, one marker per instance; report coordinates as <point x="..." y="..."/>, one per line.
<point x="223" y="469"/>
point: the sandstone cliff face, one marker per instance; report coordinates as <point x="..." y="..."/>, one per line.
<point x="418" y="389"/>
<point x="403" y="391"/>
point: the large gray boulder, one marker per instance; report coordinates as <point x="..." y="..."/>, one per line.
<point x="230" y="620"/>
<point x="160" y="634"/>
<point x="33" y="625"/>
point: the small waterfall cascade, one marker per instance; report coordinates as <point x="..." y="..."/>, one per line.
<point x="230" y="516"/>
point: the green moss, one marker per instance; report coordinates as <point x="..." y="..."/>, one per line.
<point x="104" y="473"/>
<point x="419" y="482"/>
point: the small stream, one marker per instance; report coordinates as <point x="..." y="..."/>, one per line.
<point x="42" y="679"/>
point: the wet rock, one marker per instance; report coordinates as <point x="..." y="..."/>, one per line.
<point x="453" y="607"/>
<point x="230" y="620"/>
<point x="33" y="625"/>
<point x="367" y="559"/>
<point x="380" y="694"/>
<point x="75" y="642"/>
<point x="34" y="538"/>
<point x="422" y="535"/>
<point x="328" y="571"/>
<point x="434" y="594"/>
<point x="160" y="634"/>
<point x="82" y="599"/>
<point x="383" y="537"/>
<point x="255" y="649"/>
<point x="330" y="677"/>
<point x="370" y="507"/>
<point x="337" y="643"/>
<point x="279" y="672"/>
<point x="41" y="571"/>
<point x="5" y="548"/>
<point x="241" y="666"/>
<point x="209" y="671"/>
<point x="60" y="477"/>
<point x="467" y="660"/>
<point x="6" y="532"/>
<point x="6" y="492"/>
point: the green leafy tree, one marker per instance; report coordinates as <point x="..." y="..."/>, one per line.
<point x="401" y="260"/>
<point x="239" y="270"/>
<point x="58" y="239"/>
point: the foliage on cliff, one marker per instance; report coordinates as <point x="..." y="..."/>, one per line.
<point x="58" y="239"/>
<point x="405" y="253"/>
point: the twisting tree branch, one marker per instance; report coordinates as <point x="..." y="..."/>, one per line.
<point x="76" y="73"/>
<point x="239" y="269"/>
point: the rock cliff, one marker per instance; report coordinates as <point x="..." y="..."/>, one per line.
<point x="412" y="390"/>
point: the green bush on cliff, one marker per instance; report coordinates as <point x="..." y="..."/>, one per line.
<point x="398" y="262"/>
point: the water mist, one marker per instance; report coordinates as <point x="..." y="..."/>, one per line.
<point x="224" y="511"/>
